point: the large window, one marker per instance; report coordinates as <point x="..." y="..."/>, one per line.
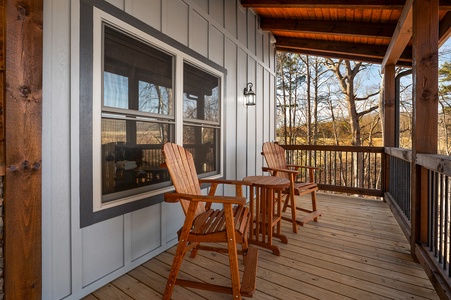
<point x="137" y="115"/>
<point x="139" y="89"/>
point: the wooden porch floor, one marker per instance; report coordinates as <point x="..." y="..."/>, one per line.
<point x="355" y="251"/>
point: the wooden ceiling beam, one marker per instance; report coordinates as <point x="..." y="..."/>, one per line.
<point x="363" y="29"/>
<point x="401" y="36"/>
<point x="371" y="4"/>
<point x="353" y="57"/>
<point x="329" y="54"/>
<point x="352" y="49"/>
<point x="366" y="4"/>
<point x="444" y="29"/>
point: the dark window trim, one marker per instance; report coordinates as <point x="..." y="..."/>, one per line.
<point x="87" y="214"/>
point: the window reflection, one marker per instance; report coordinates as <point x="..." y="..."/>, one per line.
<point x="130" y="162"/>
<point x="201" y="113"/>
<point x="201" y="94"/>
<point x="154" y="98"/>
<point x="137" y="90"/>
<point x="115" y="90"/>
<point x="202" y="142"/>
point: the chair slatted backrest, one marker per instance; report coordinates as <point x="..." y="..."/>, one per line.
<point x="180" y="164"/>
<point x="275" y="158"/>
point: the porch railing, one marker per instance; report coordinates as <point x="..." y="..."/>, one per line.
<point x="345" y="169"/>
<point x="433" y="245"/>
<point x="398" y="182"/>
<point x="432" y="242"/>
<point x="375" y="171"/>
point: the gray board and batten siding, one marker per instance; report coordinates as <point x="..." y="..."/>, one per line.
<point x="79" y="259"/>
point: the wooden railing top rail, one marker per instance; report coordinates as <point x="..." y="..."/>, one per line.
<point x="335" y="148"/>
<point x="401" y="153"/>
<point x="435" y="162"/>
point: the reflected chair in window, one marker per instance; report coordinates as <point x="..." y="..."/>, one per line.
<point x="277" y="166"/>
<point x="204" y="224"/>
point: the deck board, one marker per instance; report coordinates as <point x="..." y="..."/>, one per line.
<point x="355" y="251"/>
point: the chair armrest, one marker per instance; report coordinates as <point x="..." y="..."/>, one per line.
<point x="175" y="197"/>
<point x="225" y="181"/>
<point x="274" y="171"/>
<point x="215" y="182"/>
<point x="303" y="167"/>
<point x="311" y="171"/>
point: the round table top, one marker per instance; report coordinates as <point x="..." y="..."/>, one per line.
<point x="268" y="181"/>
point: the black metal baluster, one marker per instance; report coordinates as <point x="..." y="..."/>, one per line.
<point x="440" y="219"/>
<point x="435" y="220"/>
<point x="445" y="234"/>
<point x="430" y="209"/>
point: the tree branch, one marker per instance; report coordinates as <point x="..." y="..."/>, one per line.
<point x="362" y="113"/>
<point x="367" y="96"/>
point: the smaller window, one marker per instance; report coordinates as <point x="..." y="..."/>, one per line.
<point x="201" y="118"/>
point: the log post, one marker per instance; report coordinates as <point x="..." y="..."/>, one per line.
<point x="425" y="104"/>
<point x="388" y="117"/>
<point x="23" y="136"/>
<point x="388" y="108"/>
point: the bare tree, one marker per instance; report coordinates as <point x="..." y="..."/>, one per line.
<point x="291" y="75"/>
<point x="346" y="73"/>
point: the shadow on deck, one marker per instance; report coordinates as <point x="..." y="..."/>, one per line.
<point x="355" y="251"/>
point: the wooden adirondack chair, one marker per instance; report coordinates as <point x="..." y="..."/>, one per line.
<point x="277" y="166"/>
<point x="202" y="224"/>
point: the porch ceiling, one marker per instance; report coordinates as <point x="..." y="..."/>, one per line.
<point x="376" y="31"/>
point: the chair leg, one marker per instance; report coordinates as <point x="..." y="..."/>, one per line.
<point x="245" y="247"/>
<point x="293" y="213"/>
<point x="177" y="262"/>
<point x="180" y="252"/>
<point x="233" y="256"/>
<point x="285" y="203"/>
<point x="314" y="204"/>
<point x="194" y="251"/>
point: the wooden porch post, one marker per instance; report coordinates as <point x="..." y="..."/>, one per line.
<point x="389" y="106"/>
<point x="23" y="136"/>
<point x="425" y="103"/>
<point x="389" y="115"/>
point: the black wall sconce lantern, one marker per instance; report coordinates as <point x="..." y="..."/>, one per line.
<point x="249" y="94"/>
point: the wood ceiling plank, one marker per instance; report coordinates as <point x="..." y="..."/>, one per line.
<point x="386" y="15"/>
<point x="326" y="14"/>
<point x="367" y="15"/>
<point x="374" y="4"/>
<point x="368" y="4"/>
<point x="333" y="13"/>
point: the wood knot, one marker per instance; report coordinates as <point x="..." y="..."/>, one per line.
<point x="24" y="91"/>
<point x="12" y="168"/>
<point x="23" y="11"/>
<point x="36" y="165"/>
<point x="25" y="164"/>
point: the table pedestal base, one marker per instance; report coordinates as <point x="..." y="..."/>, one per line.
<point x="266" y="211"/>
<point x="275" y="249"/>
